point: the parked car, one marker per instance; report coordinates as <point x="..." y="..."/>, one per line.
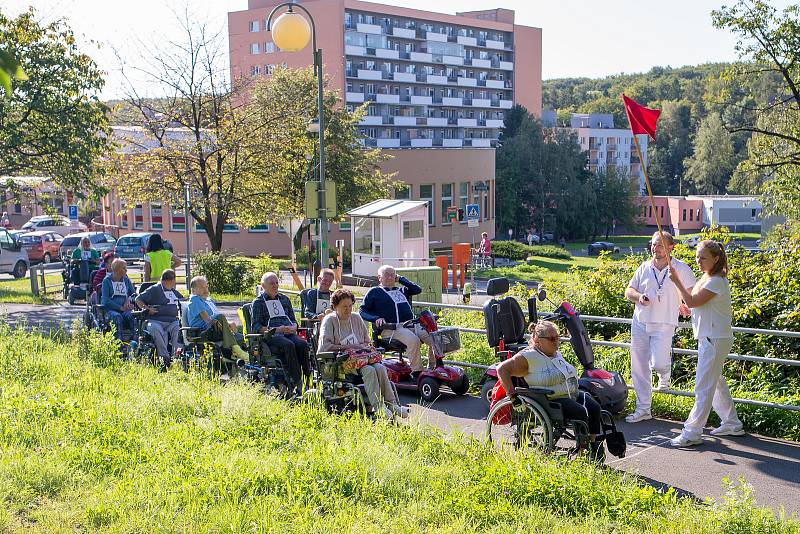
<point x="41" y="246"/>
<point x="595" y="248"/>
<point x="101" y="242"/>
<point x="692" y="242"/>
<point x="131" y="247"/>
<point x="58" y="224"/>
<point x="13" y="258"/>
<point x="547" y="237"/>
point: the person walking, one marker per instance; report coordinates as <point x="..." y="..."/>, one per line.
<point x="710" y="301"/>
<point x="655" y="317"/>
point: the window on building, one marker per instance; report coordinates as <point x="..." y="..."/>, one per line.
<point x="255" y="48"/>
<point x="255" y="25"/>
<point x="684" y="215"/>
<point x="123" y="215"/>
<point x="362" y="240"/>
<point x="446" y="200"/>
<point x="413" y="229"/>
<point x="403" y="192"/>
<point x="650" y="211"/>
<point x="17" y="208"/>
<point x="691" y="215"/>
<point x="426" y="193"/>
<point x="269" y="47"/>
<point x="255" y="70"/>
<point x="230" y="228"/>
<point x="259" y="228"/>
<point x="156" y="218"/>
<point x="344" y="226"/>
<point x="177" y="220"/>
<point x="661" y="212"/>
<point x="463" y="197"/>
<point x="138" y="218"/>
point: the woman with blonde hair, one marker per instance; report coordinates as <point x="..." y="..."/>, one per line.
<point x="710" y="301"/>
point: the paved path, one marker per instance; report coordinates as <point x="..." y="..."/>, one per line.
<point x="770" y="465"/>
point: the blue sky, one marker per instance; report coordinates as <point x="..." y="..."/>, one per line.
<point x="580" y="37"/>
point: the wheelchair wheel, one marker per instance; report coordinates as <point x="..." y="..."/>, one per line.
<point x="525" y="425"/>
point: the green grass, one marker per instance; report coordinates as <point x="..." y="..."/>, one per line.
<point x="539" y="269"/>
<point x="19" y="291"/>
<point x="91" y="443"/>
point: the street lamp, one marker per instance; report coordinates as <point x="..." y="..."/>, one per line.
<point x="291" y="33"/>
<point x="187" y="206"/>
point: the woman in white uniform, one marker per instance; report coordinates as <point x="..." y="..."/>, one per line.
<point x="710" y="300"/>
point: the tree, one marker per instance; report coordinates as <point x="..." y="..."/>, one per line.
<point x="666" y="156"/>
<point x="10" y="69"/>
<point x="712" y="162"/>
<point x="513" y="121"/>
<point x="612" y="201"/>
<point x="52" y="123"/>
<point x="769" y="44"/>
<point x="239" y="148"/>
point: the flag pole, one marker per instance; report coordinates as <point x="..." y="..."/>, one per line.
<point x="650" y="194"/>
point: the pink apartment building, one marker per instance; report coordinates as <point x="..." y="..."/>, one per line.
<point x="437" y="87"/>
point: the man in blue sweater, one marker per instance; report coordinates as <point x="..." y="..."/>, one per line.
<point x="389" y="303"/>
<point x="117" y="291"/>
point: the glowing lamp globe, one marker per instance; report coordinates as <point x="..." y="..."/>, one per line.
<point x="291" y="32"/>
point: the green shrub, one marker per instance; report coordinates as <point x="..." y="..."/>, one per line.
<point x="232" y="274"/>
<point x="550" y="251"/>
<point x="264" y="263"/>
<point x="514" y="250"/>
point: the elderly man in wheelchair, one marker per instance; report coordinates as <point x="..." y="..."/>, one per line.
<point x="550" y="406"/>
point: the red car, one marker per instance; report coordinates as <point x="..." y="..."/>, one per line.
<point x="41" y="246"/>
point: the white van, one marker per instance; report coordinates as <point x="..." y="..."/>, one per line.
<point x="13" y="258"/>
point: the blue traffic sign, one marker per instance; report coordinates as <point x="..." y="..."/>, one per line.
<point x="473" y="211"/>
<point x="73" y="212"/>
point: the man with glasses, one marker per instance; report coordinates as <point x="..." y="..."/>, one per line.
<point x="655" y="317"/>
<point x="542" y="365"/>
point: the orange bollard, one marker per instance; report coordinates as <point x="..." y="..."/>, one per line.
<point x="442" y="262"/>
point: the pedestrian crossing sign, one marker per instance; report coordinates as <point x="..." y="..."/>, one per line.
<point x="473" y="211"/>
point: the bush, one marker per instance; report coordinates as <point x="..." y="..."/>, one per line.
<point x="232" y="274"/>
<point x="550" y="251"/>
<point x="514" y="250"/>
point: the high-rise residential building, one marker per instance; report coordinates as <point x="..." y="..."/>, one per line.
<point x="607" y="146"/>
<point x="436" y="86"/>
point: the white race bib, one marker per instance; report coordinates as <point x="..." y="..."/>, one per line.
<point x="275" y="309"/>
<point x="398" y="297"/>
<point x="171" y="298"/>
<point x="322" y="305"/>
<point x="120" y="290"/>
<point x="86" y="254"/>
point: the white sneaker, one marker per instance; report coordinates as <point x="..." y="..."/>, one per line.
<point x="401" y="411"/>
<point x="728" y="431"/>
<point x="385" y="413"/>
<point x="683" y="441"/>
<point x="662" y="385"/>
<point x="638" y="415"/>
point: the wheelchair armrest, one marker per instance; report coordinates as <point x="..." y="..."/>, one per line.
<point x="533" y="391"/>
<point x="262" y="335"/>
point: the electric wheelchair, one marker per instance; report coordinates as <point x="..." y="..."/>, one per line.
<point x="264" y="367"/>
<point x="199" y="353"/>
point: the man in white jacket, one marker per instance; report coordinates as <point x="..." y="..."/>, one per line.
<point x="655" y="317"/>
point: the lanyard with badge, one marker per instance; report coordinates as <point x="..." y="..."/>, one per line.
<point x="659" y="283"/>
<point x="398" y="298"/>
<point x="322" y="304"/>
<point x="351" y="339"/>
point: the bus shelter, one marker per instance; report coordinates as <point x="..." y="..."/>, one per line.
<point x="391" y="232"/>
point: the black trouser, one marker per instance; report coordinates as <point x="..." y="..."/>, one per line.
<point x="294" y="352"/>
<point x="583" y="408"/>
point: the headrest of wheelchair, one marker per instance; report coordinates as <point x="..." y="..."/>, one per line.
<point x="497" y="286"/>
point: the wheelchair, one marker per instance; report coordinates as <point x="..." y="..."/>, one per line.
<point x="199" y="353"/>
<point x="340" y="391"/>
<point x="538" y="422"/>
<point x="75" y="292"/>
<point x="264" y="367"/>
<point x="142" y="343"/>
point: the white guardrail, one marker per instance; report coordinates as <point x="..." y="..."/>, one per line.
<point x="619" y="344"/>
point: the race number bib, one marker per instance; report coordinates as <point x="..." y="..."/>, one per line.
<point x="398" y="297"/>
<point x="349" y="340"/>
<point x="86" y="254"/>
<point x="275" y="309"/>
<point x="119" y="289"/>
<point x="171" y="298"/>
<point x="322" y="305"/>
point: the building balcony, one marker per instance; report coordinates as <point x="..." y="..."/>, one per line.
<point x="433" y="78"/>
<point x="422" y="100"/>
<point x="484" y="63"/>
<point x="421" y="57"/>
<point x="355" y="50"/>
<point x="363" y="74"/>
<point x="506" y="104"/>
<point x="387" y="143"/>
<point x="421" y="143"/>
<point x="452" y="60"/>
<point x="497" y="45"/>
<point x="387" y="99"/>
<point x="467" y="123"/>
<point x="452" y="101"/>
<point x="404" y="121"/>
<point x="481" y="103"/>
<point x="406" y="33"/>
<point x="371" y="120"/>
<point x="437" y="121"/>
<point x="368" y="28"/>
<point x="387" y="54"/>
<point x="452" y="143"/>
<point x="495" y="123"/>
<point x="495" y="84"/>
<point x="480" y="143"/>
<point x="404" y="77"/>
<point x="434" y="36"/>
<point x="467" y="82"/>
<point x="506" y="65"/>
<point x="468" y="41"/>
<point x="354" y="97"/>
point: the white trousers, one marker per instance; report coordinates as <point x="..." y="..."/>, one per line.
<point x="710" y="388"/>
<point x="413" y="340"/>
<point x="650" y="351"/>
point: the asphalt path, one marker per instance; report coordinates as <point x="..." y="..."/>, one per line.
<point x="771" y="466"/>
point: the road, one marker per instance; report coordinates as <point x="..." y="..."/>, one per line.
<point x="770" y="465"/>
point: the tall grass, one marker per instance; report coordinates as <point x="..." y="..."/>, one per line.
<point x="92" y="443"/>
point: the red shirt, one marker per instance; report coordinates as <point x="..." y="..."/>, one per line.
<point x="486" y="246"/>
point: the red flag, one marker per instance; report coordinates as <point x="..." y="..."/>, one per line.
<point x="643" y="120"/>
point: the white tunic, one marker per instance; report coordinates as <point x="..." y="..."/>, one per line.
<point x="662" y="313"/>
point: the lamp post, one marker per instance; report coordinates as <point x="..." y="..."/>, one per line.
<point x="186" y="208"/>
<point x="291" y="32"/>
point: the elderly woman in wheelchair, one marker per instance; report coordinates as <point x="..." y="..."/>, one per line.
<point x="550" y="406"/>
<point x="344" y="340"/>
